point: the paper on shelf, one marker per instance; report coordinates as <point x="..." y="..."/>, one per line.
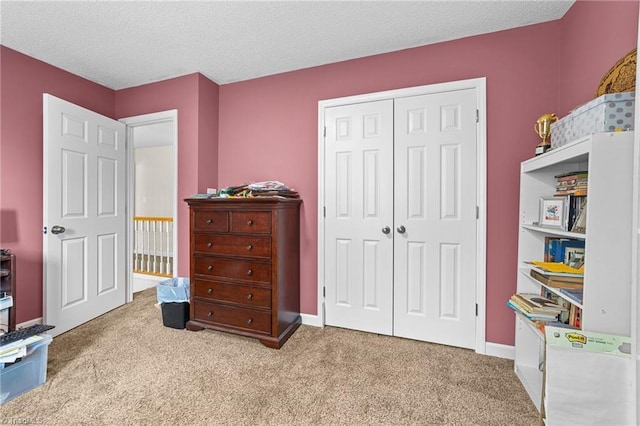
<point x="558" y="267"/>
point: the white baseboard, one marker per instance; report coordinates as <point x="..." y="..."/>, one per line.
<point x="309" y="319"/>
<point x="500" y="351"/>
<point x="143" y="282"/>
<point x="29" y="323"/>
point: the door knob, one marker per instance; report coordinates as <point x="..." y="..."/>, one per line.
<point x="386" y="230"/>
<point x="401" y="229"/>
<point x="57" y="229"/>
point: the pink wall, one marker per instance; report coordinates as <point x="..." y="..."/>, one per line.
<point x="271" y="122"/>
<point x="196" y="99"/>
<point x="23" y="81"/>
<point x="594" y="36"/>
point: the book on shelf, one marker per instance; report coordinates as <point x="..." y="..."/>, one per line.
<point x="574" y="294"/>
<point x="574" y="257"/>
<point x="536" y="305"/>
<point x="532" y="316"/>
<point x="548" y="256"/>
<point x="572" y="183"/>
<point x="579" y="225"/>
<point x="576" y="192"/>
<point x="557" y="281"/>
<point x="558" y="247"/>
<point x="572" y="175"/>
<point x="577" y="201"/>
<point x="575" y="317"/>
<point x="566" y="305"/>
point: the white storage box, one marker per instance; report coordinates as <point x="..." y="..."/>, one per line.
<point x="28" y="373"/>
<point x="608" y="113"/>
<point x="592" y="378"/>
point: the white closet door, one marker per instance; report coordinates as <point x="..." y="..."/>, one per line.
<point x="435" y="204"/>
<point x="359" y="206"/>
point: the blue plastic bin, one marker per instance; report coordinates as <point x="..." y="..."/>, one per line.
<point x="27" y="374"/>
<point x="173" y="290"/>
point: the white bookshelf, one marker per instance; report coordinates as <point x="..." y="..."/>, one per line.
<point x="607" y="277"/>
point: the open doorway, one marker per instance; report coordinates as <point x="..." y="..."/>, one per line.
<point x="152" y="168"/>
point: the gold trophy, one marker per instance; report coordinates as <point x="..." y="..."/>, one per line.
<point x="543" y="129"/>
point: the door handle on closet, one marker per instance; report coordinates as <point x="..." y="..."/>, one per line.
<point x="386" y="230"/>
<point x="401" y="229"/>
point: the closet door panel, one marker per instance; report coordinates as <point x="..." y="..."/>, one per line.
<point x="435" y="209"/>
<point x="359" y="205"/>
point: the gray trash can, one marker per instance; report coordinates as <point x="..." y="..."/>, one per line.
<point x="173" y="297"/>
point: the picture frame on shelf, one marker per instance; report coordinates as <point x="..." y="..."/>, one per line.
<point x="554" y="212"/>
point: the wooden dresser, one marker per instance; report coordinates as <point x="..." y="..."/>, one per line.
<point x="245" y="267"/>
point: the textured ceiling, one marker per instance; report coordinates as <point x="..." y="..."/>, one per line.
<point x="123" y="44"/>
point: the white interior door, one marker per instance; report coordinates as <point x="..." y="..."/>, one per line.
<point x="84" y="214"/>
<point x="359" y="217"/>
<point x="435" y="218"/>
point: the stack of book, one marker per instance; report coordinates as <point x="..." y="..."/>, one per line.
<point x="572" y="183"/>
<point x="536" y="307"/>
<point x="570" y="281"/>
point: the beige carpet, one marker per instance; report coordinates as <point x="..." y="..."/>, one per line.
<point x="126" y="368"/>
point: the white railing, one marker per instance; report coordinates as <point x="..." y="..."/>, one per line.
<point x="153" y="246"/>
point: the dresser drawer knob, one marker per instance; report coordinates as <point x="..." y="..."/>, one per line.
<point x="249" y="222"/>
<point x="249" y="296"/>
<point x="250" y="272"/>
<point x="249" y="247"/>
<point x="209" y="221"/>
<point x="210" y="267"/>
<point x="209" y="314"/>
<point x="209" y="245"/>
<point x="249" y="321"/>
<point x="209" y="290"/>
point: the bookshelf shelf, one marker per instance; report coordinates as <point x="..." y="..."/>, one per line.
<point x="607" y="276"/>
<point x="525" y="271"/>
<point x="555" y="232"/>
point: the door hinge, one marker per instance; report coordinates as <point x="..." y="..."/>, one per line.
<point x="324" y="131"/>
<point x="477" y="212"/>
<point x="477" y="116"/>
<point x="324" y="212"/>
<point x="324" y="292"/>
<point x="476" y="309"/>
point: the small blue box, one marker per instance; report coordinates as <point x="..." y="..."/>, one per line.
<point x="173" y="290"/>
<point x="27" y="374"/>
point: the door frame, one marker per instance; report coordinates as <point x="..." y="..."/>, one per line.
<point x="479" y="84"/>
<point x="132" y="123"/>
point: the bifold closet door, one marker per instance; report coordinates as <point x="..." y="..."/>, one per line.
<point x="435" y="217"/>
<point x="359" y="216"/>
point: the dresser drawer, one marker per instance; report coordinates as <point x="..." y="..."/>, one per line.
<point x="247" y="319"/>
<point x="233" y="269"/>
<point x="249" y="221"/>
<point x="241" y="294"/>
<point x="211" y="220"/>
<point x="236" y="245"/>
